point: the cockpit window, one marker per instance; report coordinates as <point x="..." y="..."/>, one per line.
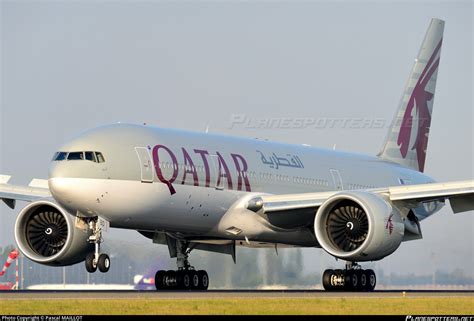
<point x="59" y="156"/>
<point x="100" y="158"/>
<point x="90" y="156"/>
<point x="95" y="157"/>
<point x="75" y="156"/>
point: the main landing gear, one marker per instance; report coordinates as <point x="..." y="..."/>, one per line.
<point x="352" y="278"/>
<point x="181" y="280"/>
<point x="96" y="259"/>
<point x="186" y="277"/>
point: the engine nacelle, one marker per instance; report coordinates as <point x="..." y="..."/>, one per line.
<point x="47" y="234"/>
<point x="358" y="226"/>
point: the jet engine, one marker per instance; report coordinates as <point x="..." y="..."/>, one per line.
<point x="358" y="226"/>
<point x="47" y="234"/>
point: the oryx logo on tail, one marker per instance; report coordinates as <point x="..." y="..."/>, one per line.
<point x="418" y="106"/>
<point x="407" y="138"/>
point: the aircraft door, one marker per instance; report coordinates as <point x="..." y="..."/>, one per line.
<point x="146" y="166"/>
<point x="336" y="178"/>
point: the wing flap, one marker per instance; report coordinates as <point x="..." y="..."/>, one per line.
<point x="462" y="203"/>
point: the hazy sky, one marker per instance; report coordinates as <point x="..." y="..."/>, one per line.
<point x="70" y="66"/>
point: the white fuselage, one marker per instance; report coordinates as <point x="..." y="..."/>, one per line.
<point x="156" y="179"/>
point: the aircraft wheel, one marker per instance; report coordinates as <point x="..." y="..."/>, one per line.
<point x="336" y="276"/>
<point x="193" y="280"/>
<point x="362" y="280"/>
<point x="104" y="263"/>
<point x="159" y="279"/>
<point x="171" y="279"/>
<point x="180" y="279"/>
<point x="90" y="266"/>
<point x="327" y="280"/>
<point x="351" y="280"/>
<point x="371" y="280"/>
<point x="186" y="280"/>
<point x="203" y="280"/>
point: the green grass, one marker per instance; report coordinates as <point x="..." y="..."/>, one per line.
<point x="407" y="305"/>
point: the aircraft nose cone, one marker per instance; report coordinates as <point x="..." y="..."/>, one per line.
<point x="55" y="170"/>
<point x="58" y="183"/>
<point x="58" y="188"/>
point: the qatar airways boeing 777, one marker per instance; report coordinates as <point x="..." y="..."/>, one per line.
<point x="202" y="191"/>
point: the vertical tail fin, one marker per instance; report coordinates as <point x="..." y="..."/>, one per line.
<point x="407" y="138"/>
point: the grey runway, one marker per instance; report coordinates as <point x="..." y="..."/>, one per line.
<point x="220" y="294"/>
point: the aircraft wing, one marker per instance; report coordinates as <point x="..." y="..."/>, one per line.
<point x="459" y="193"/>
<point x="37" y="189"/>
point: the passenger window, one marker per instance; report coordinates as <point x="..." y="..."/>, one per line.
<point x="90" y="156"/>
<point x="75" y="156"/>
<point x="100" y="158"/>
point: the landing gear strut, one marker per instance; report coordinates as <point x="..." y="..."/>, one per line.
<point x="352" y="278"/>
<point x="96" y="259"/>
<point x="186" y="277"/>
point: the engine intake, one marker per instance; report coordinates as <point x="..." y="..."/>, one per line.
<point x="46" y="231"/>
<point x="358" y="226"/>
<point x="347" y="226"/>
<point x="47" y="234"/>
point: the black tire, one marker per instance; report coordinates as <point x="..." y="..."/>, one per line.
<point x="351" y="280"/>
<point x="203" y="280"/>
<point x="194" y="280"/>
<point x="103" y="263"/>
<point x="371" y="280"/>
<point x="179" y="279"/>
<point x="172" y="277"/>
<point x="362" y="280"/>
<point x="90" y="266"/>
<point x="338" y="273"/>
<point x="327" y="280"/>
<point x="159" y="279"/>
<point x="184" y="280"/>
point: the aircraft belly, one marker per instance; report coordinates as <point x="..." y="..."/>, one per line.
<point x="149" y="206"/>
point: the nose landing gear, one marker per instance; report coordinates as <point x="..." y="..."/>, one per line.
<point x="353" y="278"/>
<point x="96" y="259"/>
